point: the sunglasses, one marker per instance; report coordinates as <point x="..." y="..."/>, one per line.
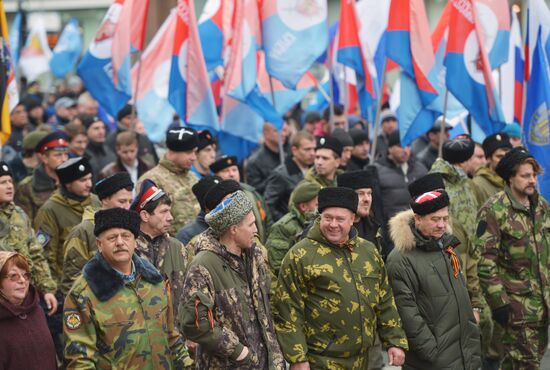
<point x="15" y="276"/>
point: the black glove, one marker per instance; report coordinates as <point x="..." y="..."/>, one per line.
<point x="502" y="314"/>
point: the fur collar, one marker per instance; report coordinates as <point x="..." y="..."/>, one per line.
<point x="401" y="232"/>
<point x="105" y="282"/>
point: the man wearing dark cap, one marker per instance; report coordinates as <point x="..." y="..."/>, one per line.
<point x="388" y="125"/>
<point x="27" y="160"/>
<point x="285" y="232"/>
<point x="33" y="191"/>
<point x="347" y="146"/>
<point x="512" y="236"/>
<point x="154" y="243"/>
<point x="487" y="182"/>
<point x="333" y="295"/>
<point x="286" y="176"/>
<point x="118" y="314"/>
<point x="206" y="154"/>
<point x="226" y="167"/>
<point x="327" y="160"/>
<point x="114" y="191"/>
<point x="173" y="175"/>
<point x="65" y="111"/>
<point x="428" y="282"/>
<point x="395" y="171"/>
<point x="430" y="153"/>
<point x="360" y="153"/>
<point x="462" y="209"/>
<point x="127" y="122"/>
<point x="98" y="153"/>
<point x="311" y="120"/>
<point x="200" y="189"/>
<point x="225" y="307"/>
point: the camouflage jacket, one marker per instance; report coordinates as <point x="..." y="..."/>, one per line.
<point x="177" y="183"/>
<point x="53" y="222"/>
<point x="170" y="257"/>
<point x="283" y="235"/>
<point x="79" y="248"/>
<point x="332" y="301"/>
<point x="462" y="217"/>
<point x="312" y="176"/>
<point x="260" y="210"/>
<point x="486" y="184"/>
<point x="433" y="304"/>
<point x="17" y="234"/>
<point x="515" y="256"/>
<point x="33" y="191"/>
<point x="225" y="307"/>
<point x="113" y="324"/>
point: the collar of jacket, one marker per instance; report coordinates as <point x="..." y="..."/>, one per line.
<point x="58" y="197"/>
<point x="41" y="181"/>
<point x="387" y="162"/>
<point x="406" y="237"/>
<point x="313" y="176"/>
<point x="9" y="310"/>
<point x="172" y="167"/>
<point x="533" y="201"/>
<point x="491" y="176"/>
<point x="315" y="234"/>
<point x="155" y="241"/>
<point x="7" y="208"/>
<point x="291" y="166"/>
<point x="359" y="162"/>
<point x="447" y="170"/>
<point x="96" y="148"/>
<point x="105" y="282"/>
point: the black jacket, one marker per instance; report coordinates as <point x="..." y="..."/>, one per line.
<point x="434" y="305"/>
<point x="146" y="149"/>
<point x="356" y="164"/>
<point x="428" y="156"/>
<point x="186" y="233"/>
<point x="99" y="156"/>
<point x="260" y="165"/>
<point x="280" y="184"/>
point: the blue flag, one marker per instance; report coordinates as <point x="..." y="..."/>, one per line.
<point x="15" y="37"/>
<point x="67" y="51"/>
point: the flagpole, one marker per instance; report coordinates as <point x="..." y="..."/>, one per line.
<point x="331" y="88"/>
<point x="346" y="97"/>
<point x="279" y="132"/>
<point x="377" y="116"/>
<point x="443" y="124"/>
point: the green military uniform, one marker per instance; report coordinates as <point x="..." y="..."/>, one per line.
<point x="225" y="307"/>
<point x="170" y="257"/>
<point x="33" y="191"/>
<point x="17" y="234"/>
<point x="260" y="210"/>
<point x="79" y="248"/>
<point x="54" y="221"/>
<point x="312" y="176"/>
<point x="331" y="302"/>
<point x="514" y="269"/>
<point x="113" y="323"/>
<point x="486" y="184"/>
<point x="177" y="183"/>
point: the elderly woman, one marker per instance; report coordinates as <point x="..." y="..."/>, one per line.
<point x="25" y="342"/>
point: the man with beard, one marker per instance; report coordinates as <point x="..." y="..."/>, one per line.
<point x="513" y="268"/>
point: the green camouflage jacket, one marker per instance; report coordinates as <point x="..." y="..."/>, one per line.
<point x="53" y="222"/>
<point x="33" y="191"/>
<point x="283" y="235"/>
<point x="225" y="307"/>
<point x="261" y="211"/>
<point x="462" y="218"/>
<point x="312" y="176"/>
<point x="515" y="256"/>
<point x="332" y="301"/>
<point x="170" y="257"/>
<point x="79" y="248"/>
<point x="16" y="234"/>
<point x="486" y="184"/>
<point x="112" y="324"/>
<point x="177" y="183"/>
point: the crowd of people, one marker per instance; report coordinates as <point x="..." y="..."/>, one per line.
<point x="120" y="253"/>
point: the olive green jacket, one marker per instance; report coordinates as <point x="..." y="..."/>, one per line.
<point x="486" y="184"/>
<point x="332" y="301"/>
<point x="312" y="176"/>
<point x="260" y="210"/>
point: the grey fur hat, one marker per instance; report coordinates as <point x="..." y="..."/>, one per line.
<point x="229" y="212"/>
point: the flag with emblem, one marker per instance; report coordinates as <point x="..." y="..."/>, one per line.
<point x="36" y="54"/>
<point x="8" y="90"/>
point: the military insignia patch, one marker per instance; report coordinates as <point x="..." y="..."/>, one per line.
<point x="73" y="321"/>
<point x="43" y="237"/>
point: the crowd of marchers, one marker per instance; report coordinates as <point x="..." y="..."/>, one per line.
<point x="112" y="257"/>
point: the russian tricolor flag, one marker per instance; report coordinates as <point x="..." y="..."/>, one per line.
<point x="511" y="75"/>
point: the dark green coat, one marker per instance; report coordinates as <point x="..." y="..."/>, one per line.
<point x="433" y="304"/>
<point x="331" y="302"/>
<point x="486" y="184"/>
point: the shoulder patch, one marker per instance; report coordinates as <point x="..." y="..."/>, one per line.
<point x="43" y="238"/>
<point x="481" y="227"/>
<point x="73" y="320"/>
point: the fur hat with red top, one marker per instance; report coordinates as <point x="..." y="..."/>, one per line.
<point x="428" y="194"/>
<point x="149" y="192"/>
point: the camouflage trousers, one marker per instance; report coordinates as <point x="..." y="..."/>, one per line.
<point x="524" y="346"/>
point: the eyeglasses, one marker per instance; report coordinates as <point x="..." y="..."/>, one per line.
<point x="15" y="276"/>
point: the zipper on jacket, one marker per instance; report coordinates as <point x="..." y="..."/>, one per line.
<point x="440" y="277"/>
<point x="358" y="296"/>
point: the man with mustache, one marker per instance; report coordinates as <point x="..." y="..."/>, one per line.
<point x="512" y="236"/>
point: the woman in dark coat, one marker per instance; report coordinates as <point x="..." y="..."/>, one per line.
<point x="25" y="341"/>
